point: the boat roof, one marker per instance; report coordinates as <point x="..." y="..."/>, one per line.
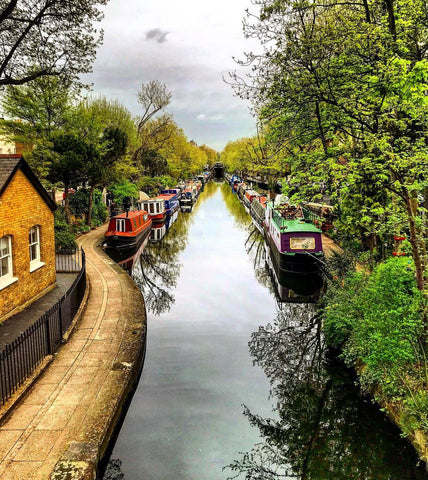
<point x="154" y="199"/>
<point x="166" y="196"/>
<point x="252" y="192"/>
<point x="130" y="214"/>
<point x="297" y="225"/>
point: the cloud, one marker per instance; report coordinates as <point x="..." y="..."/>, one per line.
<point x="157" y="35"/>
<point x="210" y="118"/>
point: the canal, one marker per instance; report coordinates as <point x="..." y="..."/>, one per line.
<point x="235" y="381"/>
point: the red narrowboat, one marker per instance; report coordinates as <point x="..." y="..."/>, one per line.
<point x="128" y="229"/>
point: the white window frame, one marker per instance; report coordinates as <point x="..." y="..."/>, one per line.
<point x="35" y="262"/>
<point x="120" y="225"/>
<point x="8" y="278"/>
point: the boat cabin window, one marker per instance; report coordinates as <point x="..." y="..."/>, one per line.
<point x="306" y="243"/>
<point x="120" y="225"/>
<point x="135" y="222"/>
<point x="152" y="208"/>
<point x="145" y="217"/>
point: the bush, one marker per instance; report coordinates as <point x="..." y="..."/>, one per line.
<point x="378" y="319"/>
<point x="65" y="242"/>
<point x="79" y="204"/>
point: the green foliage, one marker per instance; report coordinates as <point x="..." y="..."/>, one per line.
<point x="377" y="319"/>
<point x="65" y="240"/>
<point x="124" y="190"/>
<point x="79" y="205"/>
<point x="152" y="185"/>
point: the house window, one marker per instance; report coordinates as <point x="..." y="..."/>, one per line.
<point x="6" y="269"/>
<point x="34" y="242"/>
<point x="5" y="257"/>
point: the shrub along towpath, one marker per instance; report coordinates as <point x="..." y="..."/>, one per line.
<point x="61" y="429"/>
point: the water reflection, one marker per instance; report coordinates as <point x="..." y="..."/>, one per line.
<point x="157" y="268"/>
<point x="320" y="428"/>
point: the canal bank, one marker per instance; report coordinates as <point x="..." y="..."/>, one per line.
<point x="63" y="426"/>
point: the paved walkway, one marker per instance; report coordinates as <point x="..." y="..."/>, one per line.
<point x="60" y="430"/>
<point x="15" y="325"/>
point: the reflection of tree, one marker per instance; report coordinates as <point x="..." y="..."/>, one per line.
<point x="255" y="248"/>
<point x="157" y="270"/>
<point x="242" y="219"/>
<point x="113" y="470"/>
<point x="321" y="428"/>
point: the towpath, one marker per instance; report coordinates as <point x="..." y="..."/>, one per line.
<point x="62" y="427"/>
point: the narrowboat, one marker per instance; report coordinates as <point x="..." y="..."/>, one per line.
<point x="258" y="212"/>
<point x="171" y="201"/>
<point x="188" y="196"/>
<point x="128" y="229"/>
<point x="249" y="196"/>
<point x="295" y="242"/>
<point x="234" y="182"/>
<point x="155" y="207"/>
<point x="242" y="187"/>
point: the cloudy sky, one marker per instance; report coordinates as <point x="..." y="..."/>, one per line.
<point x="188" y="45"/>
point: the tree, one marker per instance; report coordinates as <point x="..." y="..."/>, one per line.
<point x="36" y="112"/>
<point x="47" y="37"/>
<point x="67" y="167"/>
<point x="341" y="88"/>
<point x="153" y="97"/>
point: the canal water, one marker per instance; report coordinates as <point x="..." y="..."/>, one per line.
<point x="236" y="382"/>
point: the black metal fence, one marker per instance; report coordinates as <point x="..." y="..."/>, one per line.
<point x="19" y="358"/>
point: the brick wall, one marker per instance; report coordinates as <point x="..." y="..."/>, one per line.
<point x="21" y="208"/>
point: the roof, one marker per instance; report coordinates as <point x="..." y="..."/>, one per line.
<point x="10" y="164"/>
<point x="131" y="214"/>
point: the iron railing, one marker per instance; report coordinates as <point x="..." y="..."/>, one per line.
<point x="19" y="358"/>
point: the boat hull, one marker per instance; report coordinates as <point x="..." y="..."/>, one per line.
<point x="123" y="242"/>
<point x="299" y="263"/>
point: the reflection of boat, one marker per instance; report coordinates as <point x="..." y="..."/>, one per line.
<point x="258" y="212"/>
<point x="155" y="207"/>
<point x="295" y="287"/>
<point x="293" y="240"/>
<point x="157" y="233"/>
<point x="159" y="230"/>
<point x="128" y="229"/>
<point x="125" y="257"/>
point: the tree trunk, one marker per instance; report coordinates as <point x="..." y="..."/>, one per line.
<point x="91" y="201"/>
<point x="66" y="203"/>
<point x="413" y="239"/>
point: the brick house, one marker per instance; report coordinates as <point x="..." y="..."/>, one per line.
<point x="27" y="241"/>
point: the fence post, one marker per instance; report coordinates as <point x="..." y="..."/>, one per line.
<point x="48" y="334"/>
<point x="60" y="316"/>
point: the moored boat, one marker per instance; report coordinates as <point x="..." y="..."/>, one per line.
<point x="258" y="212"/>
<point x="249" y="196"/>
<point x="155" y="207"/>
<point x="171" y="201"/>
<point x="128" y="229"/>
<point x="295" y="242"/>
<point x="188" y="197"/>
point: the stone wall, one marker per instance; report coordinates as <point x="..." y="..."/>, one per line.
<point x="21" y="208"/>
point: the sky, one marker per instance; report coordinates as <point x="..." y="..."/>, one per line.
<point x="189" y="45"/>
